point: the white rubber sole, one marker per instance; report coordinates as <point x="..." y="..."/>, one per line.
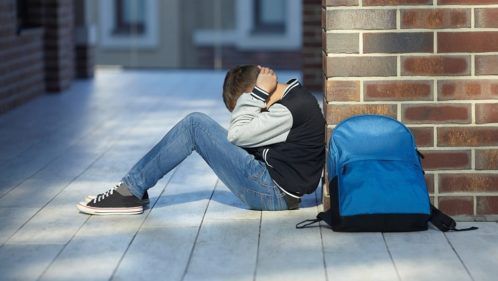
<point x="89" y="198"/>
<point x="109" y="211"/>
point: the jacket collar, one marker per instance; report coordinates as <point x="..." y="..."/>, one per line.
<point x="291" y="84"/>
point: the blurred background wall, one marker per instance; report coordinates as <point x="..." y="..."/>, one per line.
<point x="198" y="34"/>
<point x="46" y="44"/>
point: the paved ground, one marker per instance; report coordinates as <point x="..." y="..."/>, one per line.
<point x="59" y="148"/>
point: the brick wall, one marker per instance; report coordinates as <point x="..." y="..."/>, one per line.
<point x="58" y="23"/>
<point x="21" y="60"/>
<point x="432" y="64"/>
<point x="312" y="43"/>
<point x="84" y="61"/>
<point x="84" y="50"/>
<point x="40" y="55"/>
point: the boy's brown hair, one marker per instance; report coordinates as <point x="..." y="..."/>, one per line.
<point x="238" y="80"/>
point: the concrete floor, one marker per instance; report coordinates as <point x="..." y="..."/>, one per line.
<point x="58" y="148"/>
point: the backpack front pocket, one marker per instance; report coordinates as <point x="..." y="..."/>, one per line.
<point x="382" y="187"/>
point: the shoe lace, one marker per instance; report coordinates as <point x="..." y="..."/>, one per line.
<point x="106" y="194"/>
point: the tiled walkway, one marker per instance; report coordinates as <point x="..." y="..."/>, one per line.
<point x="59" y="148"/>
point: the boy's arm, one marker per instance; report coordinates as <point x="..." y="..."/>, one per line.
<point x="249" y="127"/>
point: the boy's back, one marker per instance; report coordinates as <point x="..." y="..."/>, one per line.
<point x="291" y="138"/>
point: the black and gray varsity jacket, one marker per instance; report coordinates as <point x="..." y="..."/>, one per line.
<point x="288" y="137"/>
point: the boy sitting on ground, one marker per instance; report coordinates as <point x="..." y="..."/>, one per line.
<point x="271" y="155"/>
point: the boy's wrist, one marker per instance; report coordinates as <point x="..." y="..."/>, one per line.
<point x="260" y="94"/>
<point x="264" y="89"/>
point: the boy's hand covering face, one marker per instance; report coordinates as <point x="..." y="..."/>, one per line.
<point x="267" y="79"/>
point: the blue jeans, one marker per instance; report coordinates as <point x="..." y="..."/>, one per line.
<point x="245" y="176"/>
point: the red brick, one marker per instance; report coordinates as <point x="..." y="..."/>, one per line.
<point x="472" y="2"/>
<point x="435" y="18"/>
<point x="341" y="42"/>
<point x="486" y="65"/>
<point x="486" y="159"/>
<point x="467" y="136"/>
<point x="424" y="136"/>
<point x="486" y="113"/>
<point x="353" y="66"/>
<point x="487" y="17"/>
<point x="342" y="90"/>
<point x="397" y="90"/>
<point x="446" y="160"/>
<point x="395" y="2"/>
<point x="487" y="205"/>
<point x="435" y="65"/>
<point x="467" y="89"/>
<point x="346" y="19"/>
<point x="337" y="113"/>
<point x="479" y="41"/>
<point x="429" y="181"/>
<point x="456" y="205"/>
<point x="436" y="113"/>
<point x="468" y="182"/>
<point x="398" y="42"/>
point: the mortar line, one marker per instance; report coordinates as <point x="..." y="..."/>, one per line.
<point x="472" y="17"/>
<point x="425" y="7"/>
<point x="475" y="204"/>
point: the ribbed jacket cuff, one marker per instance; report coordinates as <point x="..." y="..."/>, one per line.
<point x="259" y="94"/>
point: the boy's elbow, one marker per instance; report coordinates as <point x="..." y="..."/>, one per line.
<point x="237" y="139"/>
<point x="232" y="137"/>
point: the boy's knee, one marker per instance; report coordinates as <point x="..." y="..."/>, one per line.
<point x="196" y="116"/>
<point x="196" y="119"/>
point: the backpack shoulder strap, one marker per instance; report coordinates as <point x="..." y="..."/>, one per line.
<point x="439" y="219"/>
<point x="444" y="222"/>
<point x="307" y="223"/>
<point x="327" y="217"/>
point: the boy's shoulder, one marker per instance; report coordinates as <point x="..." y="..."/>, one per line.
<point x="298" y="94"/>
<point x="301" y="102"/>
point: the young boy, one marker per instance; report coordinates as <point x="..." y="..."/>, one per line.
<point x="271" y="155"/>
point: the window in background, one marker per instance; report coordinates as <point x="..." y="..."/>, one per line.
<point x="269" y="16"/>
<point x="130" y="17"/>
<point x="125" y="24"/>
<point x="259" y="24"/>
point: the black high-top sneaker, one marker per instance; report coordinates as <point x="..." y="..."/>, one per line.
<point x="145" y="198"/>
<point x="112" y="202"/>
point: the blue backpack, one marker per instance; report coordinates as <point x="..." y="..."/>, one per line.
<point x="376" y="179"/>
